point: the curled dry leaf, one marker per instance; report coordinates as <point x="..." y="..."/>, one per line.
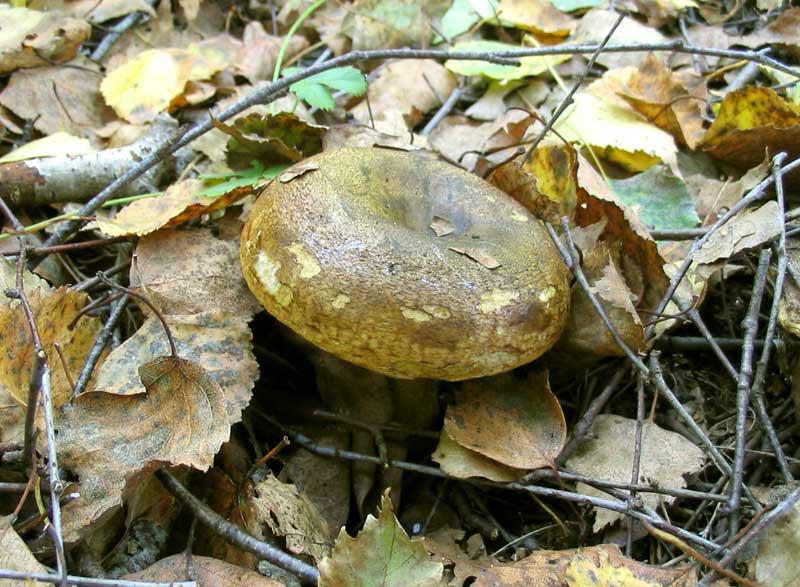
<point x="15" y="554"/>
<point x="107" y="439"/>
<point x="208" y="572"/>
<point x="461" y="462"/>
<point x="634" y="252"/>
<point x="441" y="226"/>
<point x="751" y="121"/>
<point x="665" y="458"/>
<point x="59" y="98"/>
<point x="409" y="87"/>
<point x="748" y="230"/>
<point x="517" y="422"/>
<point x="31" y="38"/>
<point x="182" y="202"/>
<point x="381" y="554"/>
<point x="219" y="343"/>
<point x="192" y="271"/>
<point x="272" y="507"/>
<point x="661" y="97"/>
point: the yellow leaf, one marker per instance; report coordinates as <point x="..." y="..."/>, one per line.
<point x="56" y="145"/>
<point x="151" y="81"/>
<point x="621" y="135"/>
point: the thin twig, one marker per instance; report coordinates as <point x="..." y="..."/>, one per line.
<point x="99" y="345"/>
<point x="89" y="581"/>
<point x="236" y="535"/>
<point x="750" y="324"/>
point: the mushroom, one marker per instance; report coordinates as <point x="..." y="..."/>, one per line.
<point x="342" y="249"/>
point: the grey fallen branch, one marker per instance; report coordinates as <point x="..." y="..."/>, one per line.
<point x="48" y="180"/>
<point x="271" y="91"/>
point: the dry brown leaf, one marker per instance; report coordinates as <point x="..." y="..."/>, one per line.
<point x="384" y="24"/>
<point x="208" y="572"/>
<point x="608" y="455"/>
<point x="461" y="462"/>
<point x="586" y="336"/>
<point x="325" y="482"/>
<point x="517" y="422"/>
<point x="775" y="563"/>
<point x="747" y="230"/>
<point x="256" y="58"/>
<point x="182" y="202"/>
<point x="96" y="12"/>
<point x="53" y="312"/>
<point x="594" y="566"/>
<point x="107" y="439"/>
<point x="408" y="87"/>
<point x="272" y="507"/>
<point x="30" y="38"/>
<point x="659" y="95"/>
<point x="219" y="343"/>
<point x="752" y="121"/>
<point x="713" y="197"/>
<point x="634" y="252"/>
<point x="789" y="309"/>
<point x="594" y="26"/>
<point x="59" y="98"/>
<point x="192" y="271"/>
<point x="16" y="556"/>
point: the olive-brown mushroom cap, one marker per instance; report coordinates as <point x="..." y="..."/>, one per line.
<point x="343" y="254"/>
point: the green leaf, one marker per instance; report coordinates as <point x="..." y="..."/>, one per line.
<point x="462" y="16"/>
<point x="315" y="89"/>
<point x="219" y="184"/>
<point x="661" y="199"/>
<point x="572" y="5"/>
<point x="529" y="66"/>
<point x="382" y="554"/>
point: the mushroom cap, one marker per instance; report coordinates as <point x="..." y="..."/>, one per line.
<point x="340" y="249"/>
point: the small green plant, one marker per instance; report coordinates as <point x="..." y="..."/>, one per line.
<point x="316" y="90"/>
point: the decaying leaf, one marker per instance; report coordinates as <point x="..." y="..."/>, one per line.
<point x="53" y="312"/>
<point x="539" y="17"/>
<point x="459" y="461"/>
<point x="206" y="571"/>
<point x="30" y="38"/>
<point x="441" y="226"/>
<point x="665" y="458"/>
<point x="748" y="230"/>
<point x="660" y="96"/>
<point x="16" y="556"/>
<point x="517" y="422"/>
<point x="150" y="82"/>
<point x="776" y="560"/>
<point x="594" y="26"/>
<point x="478" y="255"/>
<point x="752" y="121"/>
<point x="192" y="271"/>
<point x="280" y="509"/>
<point x="219" y="343"/>
<point x="107" y="439"/>
<point x="594" y="566"/>
<point x="383" y="24"/>
<point x="424" y="83"/>
<point x="381" y="554"/>
<point x="618" y="134"/>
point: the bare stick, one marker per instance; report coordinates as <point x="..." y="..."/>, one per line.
<point x="757" y="391"/>
<point x="97" y="349"/>
<point x="236" y="535"/>
<point x="270" y="91"/>
<point x="89" y="581"/>
<point x="750" y="324"/>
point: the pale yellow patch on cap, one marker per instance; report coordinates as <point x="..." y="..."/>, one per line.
<point x="340" y="301"/>
<point x="547" y="294"/>
<point x="266" y="269"/>
<point x="308" y="263"/>
<point x="496" y="299"/>
<point x="415" y="315"/>
<point x="519" y="217"/>
<point x="437" y="311"/>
